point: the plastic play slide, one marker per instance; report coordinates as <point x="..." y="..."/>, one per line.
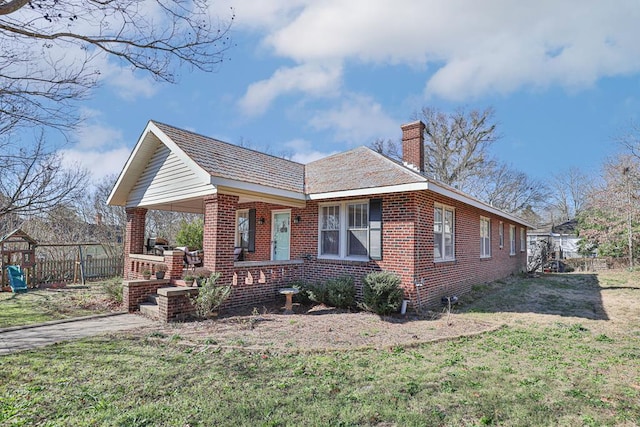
<point x="16" y="278"/>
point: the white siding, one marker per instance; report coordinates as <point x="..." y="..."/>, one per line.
<point x="165" y="179"/>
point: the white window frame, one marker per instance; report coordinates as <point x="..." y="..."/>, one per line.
<point x="523" y="239"/>
<point x="485" y="237"/>
<point x="501" y="232"/>
<point x="343" y="230"/>
<point x="241" y="213"/>
<point x="512" y="239"/>
<point x="443" y="256"/>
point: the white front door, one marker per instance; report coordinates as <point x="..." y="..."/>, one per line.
<point x="281" y="234"/>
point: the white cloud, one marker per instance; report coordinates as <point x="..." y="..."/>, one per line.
<point x="304" y="152"/>
<point x="358" y="121"/>
<point x="319" y="80"/>
<point x="98" y="148"/>
<point x="262" y="15"/>
<point x="126" y="83"/>
<point x="475" y="48"/>
<point x="99" y="163"/>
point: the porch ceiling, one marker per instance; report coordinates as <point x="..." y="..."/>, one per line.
<point x="196" y="205"/>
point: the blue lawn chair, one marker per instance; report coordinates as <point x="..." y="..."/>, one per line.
<point x="16" y="278"/>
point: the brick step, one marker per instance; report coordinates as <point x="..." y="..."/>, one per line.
<point x="150" y="310"/>
<point x="153" y="299"/>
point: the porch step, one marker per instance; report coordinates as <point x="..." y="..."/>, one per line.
<point x="150" y="310"/>
<point x="153" y="299"/>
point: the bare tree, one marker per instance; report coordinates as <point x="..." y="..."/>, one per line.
<point x="33" y="180"/>
<point x="457" y="143"/>
<point x="569" y="190"/>
<point x="508" y="189"/>
<point x="610" y="221"/>
<point x="52" y="51"/>
<point x="387" y="147"/>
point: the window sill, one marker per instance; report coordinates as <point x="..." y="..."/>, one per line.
<point x="347" y="259"/>
<point x="444" y="261"/>
<point x="485" y="258"/>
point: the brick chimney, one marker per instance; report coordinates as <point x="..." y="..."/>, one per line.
<point x="413" y="145"/>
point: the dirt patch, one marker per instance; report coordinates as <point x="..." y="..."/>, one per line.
<point x="602" y="305"/>
<point x="320" y="328"/>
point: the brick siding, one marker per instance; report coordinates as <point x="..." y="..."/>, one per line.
<point x="407" y="250"/>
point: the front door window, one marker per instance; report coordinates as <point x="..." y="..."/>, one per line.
<point x="281" y="235"/>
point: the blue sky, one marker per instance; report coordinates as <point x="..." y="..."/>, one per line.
<point x="308" y="78"/>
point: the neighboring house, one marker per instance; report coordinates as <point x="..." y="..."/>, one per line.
<point x="348" y="214"/>
<point x="563" y="239"/>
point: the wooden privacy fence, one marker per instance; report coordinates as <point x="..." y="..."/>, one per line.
<point x="70" y="270"/>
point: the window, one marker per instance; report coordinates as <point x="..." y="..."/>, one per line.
<point x="246" y="229"/>
<point x="512" y="240"/>
<point x="330" y="230"/>
<point x="443" y="233"/>
<point x="351" y="230"/>
<point x="242" y="229"/>
<point x="358" y="229"/>
<point x="523" y="239"/>
<point x="485" y="238"/>
<point x="501" y="231"/>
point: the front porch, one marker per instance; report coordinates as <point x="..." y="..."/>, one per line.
<point x="256" y="280"/>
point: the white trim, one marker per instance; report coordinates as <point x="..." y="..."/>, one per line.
<point x="145" y="148"/>
<point x="475" y="203"/>
<point x="244" y="188"/>
<point x="342" y="231"/>
<point x="443" y="257"/>
<point x="488" y="221"/>
<point x="501" y="234"/>
<point x="416" y="186"/>
<point x="237" y="234"/>
<point x="512" y="239"/>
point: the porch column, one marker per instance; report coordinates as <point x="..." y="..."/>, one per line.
<point x="134" y="240"/>
<point x="219" y="234"/>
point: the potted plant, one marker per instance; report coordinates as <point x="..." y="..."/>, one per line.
<point x="201" y="274"/>
<point x="189" y="279"/>
<point x="146" y="274"/>
<point x="160" y="270"/>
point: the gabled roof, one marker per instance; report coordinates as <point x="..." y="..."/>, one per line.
<point x="16" y="235"/>
<point x="229" y="161"/>
<point x="171" y="168"/>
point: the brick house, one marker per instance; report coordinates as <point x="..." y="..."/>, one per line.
<point x="347" y="214"/>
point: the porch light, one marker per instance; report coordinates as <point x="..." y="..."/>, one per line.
<point x="297" y="219"/>
<point x="261" y="221"/>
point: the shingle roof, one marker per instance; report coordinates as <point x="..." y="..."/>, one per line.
<point x="356" y="169"/>
<point x="221" y="159"/>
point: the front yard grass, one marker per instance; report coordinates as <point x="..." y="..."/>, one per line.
<point x="41" y="305"/>
<point x="549" y="370"/>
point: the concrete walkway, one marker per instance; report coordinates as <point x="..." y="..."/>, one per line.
<point x="32" y="336"/>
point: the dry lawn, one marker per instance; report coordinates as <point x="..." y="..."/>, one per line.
<point x="603" y="303"/>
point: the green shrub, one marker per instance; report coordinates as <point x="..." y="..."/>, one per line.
<point x="317" y="292"/>
<point x="382" y="293"/>
<point x="341" y="292"/>
<point x="113" y="289"/>
<point x="190" y="234"/>
<point x="302" y="297"/>
<point x="210" y="296"/>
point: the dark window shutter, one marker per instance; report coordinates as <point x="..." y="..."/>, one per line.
<point x="252" y="230"/>
<point x="375" y="229"/>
